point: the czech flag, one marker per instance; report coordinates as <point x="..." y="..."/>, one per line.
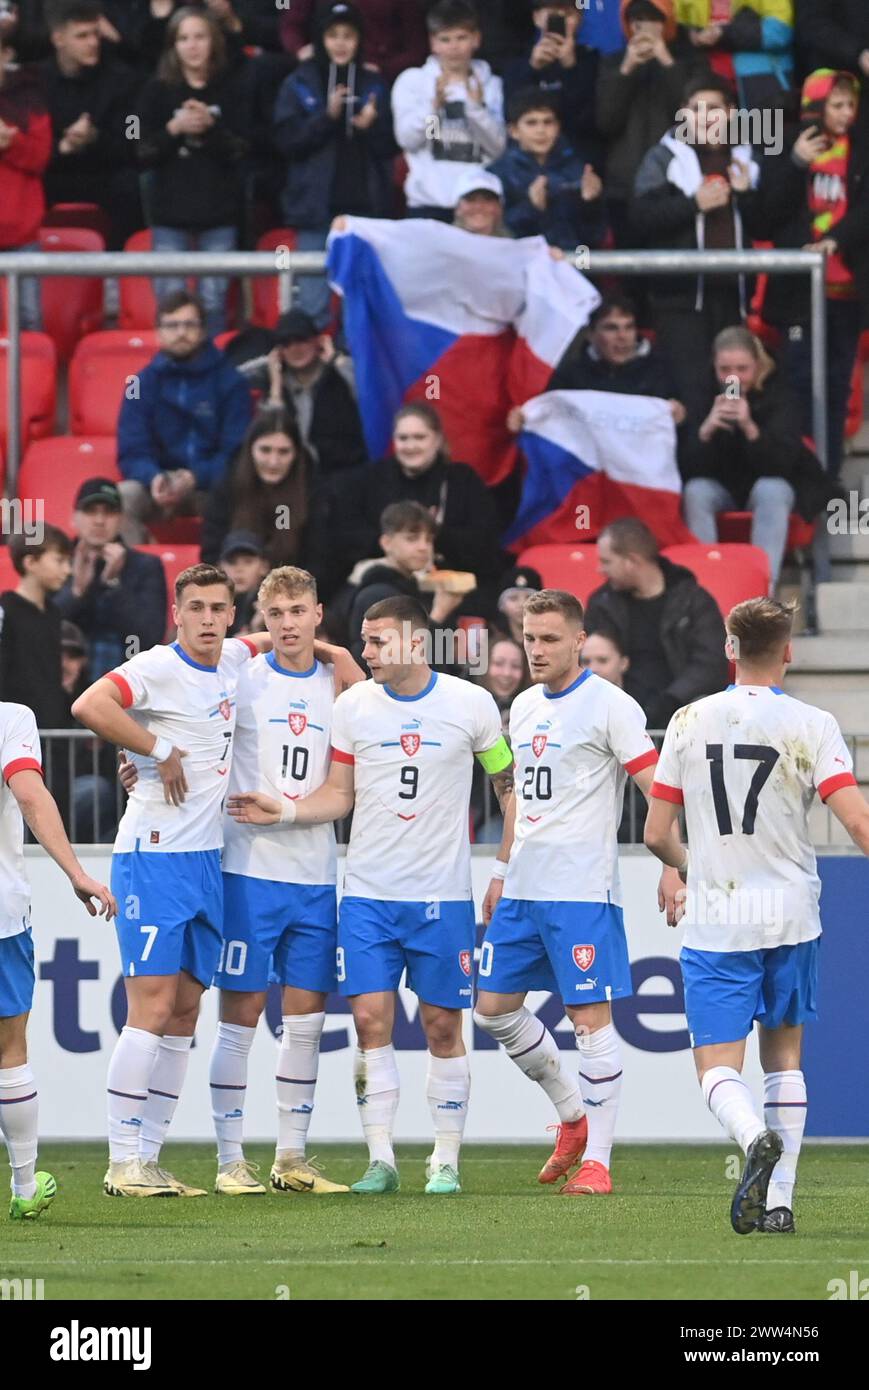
<point x="594" y="457"/>
<point x="472" y="324"/>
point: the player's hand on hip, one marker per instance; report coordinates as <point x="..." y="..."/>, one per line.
<point x="254" y="808"/>
<point x="87" y="888"/>
<point x="172" y="774"/>
<point x="128" y="773"/>
<point x="491" y="900"/>
<point x="671" y="896"/>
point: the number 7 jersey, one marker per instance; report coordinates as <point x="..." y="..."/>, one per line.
<point x="746" y="763"/>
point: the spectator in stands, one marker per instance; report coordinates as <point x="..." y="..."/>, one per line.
<point x="332" y="123"/>
<point x="610" y="355"/>
<point x="550" y="189"/>
<point x="507" y="27"/>
<point x="93" y="815"/>
<point x="835" y="34"/>
<point x="603" y="653"/>
<point x="115" y="596"/>
<point x="25" y="149"/>
<point x="266" y="493"/>
<point x="637" y="93"/>
<point x="407" y="535"/>
<point x="448" y="113"/>
<point x="243" y="557"/>
<point x="753" y="47"/>
<point x="480" y="204"/>
<point x="744" y="452"/>
<point x="394" y="29"/>
<point x="563" y="69"/>
<point x="669" y="627"/>
<point x="88" y="95"/>
<point x="420" y="470"/>
<point x="693" y="190"/>
<point x="177" y="435"/>
<point x="816" y="194"/>
<point x="315" y="384"/>
<point x="30" y="667"/>
<point x="506" y="673"/>
<point x="515" y="587"/>
<point x="195" y="136"/>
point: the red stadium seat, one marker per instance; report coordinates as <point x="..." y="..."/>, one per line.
<point x="736" y="526"/>
<point x="731" y="573"/>
<point x="174" y="559"/>
<point x="38" y="388"/>
<point x="98" y="376"/>
<point x="138" y="303"/>
<point x="72" y="305"/>
<point x="88" y="215"/>
<point x="9" y="579"/>
<point x="53" y="470"/>
<point x="181" y="530"/>
<point x="266" y="308"/>
<point x="570" y="567"/>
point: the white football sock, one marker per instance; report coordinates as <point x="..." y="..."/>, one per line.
<point x="529" y="1044"/>
<point x="164" y="1090"/>
<point x="785" y="1108"/>
<point x="375" y="1074"/>
<point x="732" y="1104"/>
<point x="448" y="1087"/>
<point x="296" y="1079"/>
<point x="19" y="1117"/>
<point x="130" y="1068"/>
<point x="600" y="1076"/>
<point x="227" y="1078"/>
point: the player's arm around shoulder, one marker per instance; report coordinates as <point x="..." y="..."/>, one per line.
<point x="345" y="671"/>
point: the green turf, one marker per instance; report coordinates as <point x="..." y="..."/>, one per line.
<point x="665" y="1235"/>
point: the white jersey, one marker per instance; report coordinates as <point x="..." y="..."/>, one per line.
<point x="19" y="752"/>
<point x="413" y="763"/>
<point x="193" y="706"/>
<point x="573" y="752"/>
<point x="746" y="763"/>
<point x="282" y="748"/>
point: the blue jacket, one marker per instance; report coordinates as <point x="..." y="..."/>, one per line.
<point x="567" y="221"/>
<point x="190" y="414"/>
<point x="307" y="136"/>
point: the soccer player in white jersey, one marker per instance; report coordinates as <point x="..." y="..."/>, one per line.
<point x="173" y="708"/>
<point x="403" y="745"/>
<point x="553" y="907"/>
<point x="279" y="892"/>
<point x="747" y="764"/>
<point x="24" y="795"/>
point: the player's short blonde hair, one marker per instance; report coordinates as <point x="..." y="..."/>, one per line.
<point x="556" y="601"/>
<point x="287" y="582"/>
<point x="760" y="627"/>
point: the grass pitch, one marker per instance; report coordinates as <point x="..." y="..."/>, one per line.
<point x="664" y="1235"/>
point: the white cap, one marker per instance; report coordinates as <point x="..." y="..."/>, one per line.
<point x="479" y="180"/>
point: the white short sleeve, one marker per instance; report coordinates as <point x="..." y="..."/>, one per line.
<point x="342" y="739"/>
<point x="834" y="767"/>
<point x="20" y="749"/>
<point x="667" y="785"/>
<point x="487" y="724"/>
<point x="628" y="739"/>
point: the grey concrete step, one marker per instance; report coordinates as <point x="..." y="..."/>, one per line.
<point x="854" y="544"/>
<point x="838" y="654"/>
<point x="855" y="469"/>
<point x="843" y="607"/>
<point x="849" y="707"/>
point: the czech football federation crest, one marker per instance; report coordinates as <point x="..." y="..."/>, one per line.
<point x="538" y="743"/>
<point x="298" y="723"/>
<point x="410" y="744"/>
<point x="583" y="957"/>
<point x="465" y="961"/>
<point x="225" y="709"/>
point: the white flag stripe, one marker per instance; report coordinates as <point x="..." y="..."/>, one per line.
<point x="630" y="438"/>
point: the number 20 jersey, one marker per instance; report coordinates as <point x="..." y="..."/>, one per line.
<point x="282" y="748"/>
<point x="573" y="751"/>
<point x="413" y="760"/>
<point x="747" y="763"/>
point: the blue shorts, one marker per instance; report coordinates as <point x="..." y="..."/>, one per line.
<point x="577" y="950"/>
<point x="434" y="940"/>
<point x="726" y="991"/>
<point x="17" y="977"/>
<point x="170" y="912"/>
<point x="281" y="931"/>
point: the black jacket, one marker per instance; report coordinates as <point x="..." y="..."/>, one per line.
<point x="647" y="374"/>
<point x="109" y="616"/>
<point x="782" y="216"/>
<point x="632" y="113"/>
<point x="335" y="437"/>
<point x="833" y="33"/>
<point x="104" y="92"/>
<point x="692" y="636"/>
<point x="30" y="668"/>
<point x="466" y="540"/>
<point x="195" y="182"/>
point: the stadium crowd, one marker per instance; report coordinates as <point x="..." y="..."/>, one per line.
<point x="208" y="124"/>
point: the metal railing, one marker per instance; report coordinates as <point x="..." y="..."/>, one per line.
<point x="106" y="264"/>
<point x="80" y="773"/>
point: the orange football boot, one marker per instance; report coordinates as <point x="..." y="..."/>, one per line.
<point x="570" y="1141"/>
<point x="592" y="1179"/>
